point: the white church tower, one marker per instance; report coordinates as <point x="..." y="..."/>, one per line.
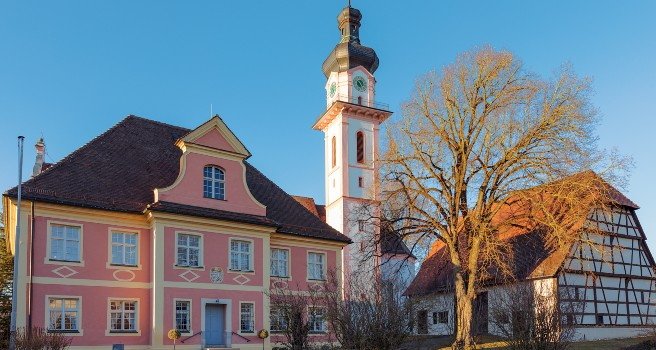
<point x="351" y="125"/>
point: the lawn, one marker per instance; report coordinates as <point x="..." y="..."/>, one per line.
<point x="442" y="343"/>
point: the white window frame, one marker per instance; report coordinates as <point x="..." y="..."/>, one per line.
<point x="324" y="324"/>
<point x="281" y="307"/>
<point x="214" y="182"/>
<point x="241" y="331"/>
<point x="251" y="260"/>
<point x="110" y="264"/>
<point x="189" y="315"/>
<point x="48" y="258"/>
<point x="69" y="333"/>
<point x="287" y="263"/>
<point x="113" y="332"/>
<point x="323" y="267"/>
<point x="200" y="251"/>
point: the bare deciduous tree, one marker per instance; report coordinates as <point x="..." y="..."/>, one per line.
<point x="529" y="316"/>
<point x="368" y="318"/>
<point x="483" y="148"/>
<point x="290" y="314"/>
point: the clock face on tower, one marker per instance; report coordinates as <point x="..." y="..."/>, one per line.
<point x="333" y="89"/>
<point x="360" y="84"/>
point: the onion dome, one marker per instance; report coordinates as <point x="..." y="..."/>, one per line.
<point x="349" y="53"/>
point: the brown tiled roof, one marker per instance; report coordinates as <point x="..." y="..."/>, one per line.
<point x="177" y="208"/>
<point x="119" y="169"/>
<point x="308" y="203"/>
<point x="391" y="243"/>
<point x="529" y="254"/>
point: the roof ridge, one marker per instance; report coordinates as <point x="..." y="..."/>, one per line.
<point x="157" y="122"/>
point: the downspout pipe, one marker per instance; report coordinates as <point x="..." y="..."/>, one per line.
<point x="29" y="290"/>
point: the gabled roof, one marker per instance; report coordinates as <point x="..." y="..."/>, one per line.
<point x="119" y="169"/>
<point x="529" y="253"/>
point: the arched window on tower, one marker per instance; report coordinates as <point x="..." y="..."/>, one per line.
<point x="213" y="182"/>
<point x="359" y="141"/>
<point x="359" y="100"/>
<point x="334" y="151"/>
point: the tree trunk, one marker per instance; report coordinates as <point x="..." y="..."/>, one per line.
<point x="463" y="316"/>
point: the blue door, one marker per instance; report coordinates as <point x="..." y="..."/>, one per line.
<point x="214" y="324"/>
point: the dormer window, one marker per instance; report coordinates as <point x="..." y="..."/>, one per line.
<point x="213" y="182"/>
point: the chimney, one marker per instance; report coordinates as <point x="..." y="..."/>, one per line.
<point x="40" y="157"/>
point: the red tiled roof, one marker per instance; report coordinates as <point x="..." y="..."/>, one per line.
<point x="119" y="169"/>
<point x="529" y="255"/>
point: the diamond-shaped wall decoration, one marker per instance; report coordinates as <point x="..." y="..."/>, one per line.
<point x="316" y="287"/>
<point x="64" y="272"/>
<point x="279" y="284"/>
<point x="189" y="276"/>
<point x="241" y="279"/>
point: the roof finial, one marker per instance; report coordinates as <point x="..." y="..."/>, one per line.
<point x="349" y="3"/>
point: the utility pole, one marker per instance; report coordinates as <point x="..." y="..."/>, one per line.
<point x="17" y="244"/>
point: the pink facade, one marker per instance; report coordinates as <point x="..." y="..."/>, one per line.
<point x="104" y="277"/>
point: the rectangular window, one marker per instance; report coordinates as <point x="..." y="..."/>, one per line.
<point x="316" y="264"/>
<point x="65" y="242"/>
<point x="443" y="317"/>
<point x="360" y="182"/>
<point x="600" y="318"/>
<point x="123" y="316"/>
<point x="434" y="317"/>
<point x="278" y="319"/>
<point x="124" y="248"/>
<point x="182" y="316"/>
<point x="317" y="321"/>
<point x="64" y="314"/>
<point x="189" y="250"/>
<point x="240" y="255"/>
<point x="279" y="262"/>
<point x="361" y="225"/>
<point x="247" y="318"/>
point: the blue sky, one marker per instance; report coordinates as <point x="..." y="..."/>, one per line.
<point x="71" y="69"/>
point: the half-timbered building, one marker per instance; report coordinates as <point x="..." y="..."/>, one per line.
<point x="603" y="281"/>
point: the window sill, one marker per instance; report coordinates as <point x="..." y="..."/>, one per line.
<point x="316" y="280"/>
<point x="216" y="199"/>
<point x="317" y="333"/>
<point x="122" y="333"/>
<point x="246" y="333"/>
<point x="182" y="267"/>
<point x="69" y="333"/>
<point x="50" y="261"/>
<point x="251" y="272"/>
<point x="122" y="267"/>
<point x="286" y="278"/>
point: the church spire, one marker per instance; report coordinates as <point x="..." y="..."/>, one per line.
<point x="349" y="53"/>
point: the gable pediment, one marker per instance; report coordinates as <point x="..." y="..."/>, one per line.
<point x="215" y="135"/>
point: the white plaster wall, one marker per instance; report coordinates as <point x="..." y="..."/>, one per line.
<point x="599" y="333"/>
<point x="356" y="170"/>
<point x="334" y="175"/>
<point x="435" y="303"/>
<point x="398" y="269"/>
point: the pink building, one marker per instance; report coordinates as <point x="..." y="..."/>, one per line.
<point x="151" y="227"/>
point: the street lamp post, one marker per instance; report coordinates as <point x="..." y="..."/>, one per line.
<point x="17" y="243"/>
